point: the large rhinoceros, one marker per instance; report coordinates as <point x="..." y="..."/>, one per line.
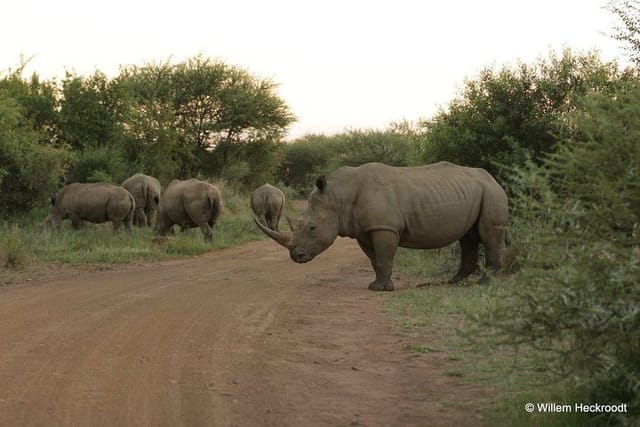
<point x="146" y="192"/>
<point x="384" y="207"/>
<point x="94" y="202"/>
<point x="267" y="203"/>
<point x="190" y="203"/>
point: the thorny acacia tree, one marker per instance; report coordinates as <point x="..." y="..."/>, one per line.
<point x="194" y="109"/>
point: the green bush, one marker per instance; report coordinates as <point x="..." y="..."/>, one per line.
<point x="358" y="147"/>
<point x="29" y="169"/>
<point x="312" y="155"/>
<point x="104" y="164"/>
<point x="247" y="165"/>
<point x="576" y="297"/>
<point x="504" y="115"/>
<point x="304" y="159"/>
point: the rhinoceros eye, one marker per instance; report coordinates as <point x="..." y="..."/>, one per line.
<point x="312" y="228"/>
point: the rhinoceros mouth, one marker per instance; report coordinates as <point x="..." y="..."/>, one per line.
<point x="299" y="255"/>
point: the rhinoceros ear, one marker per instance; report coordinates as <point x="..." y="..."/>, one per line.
<point x="321" y="183"/>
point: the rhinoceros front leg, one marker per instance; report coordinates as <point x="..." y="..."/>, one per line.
<point x="76" y="221"/>
<point x="381" y="249"/>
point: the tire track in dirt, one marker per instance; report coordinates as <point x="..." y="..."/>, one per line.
<point x="239" y="337"/>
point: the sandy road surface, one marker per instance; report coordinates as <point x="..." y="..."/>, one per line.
<point x="239" y="337"/>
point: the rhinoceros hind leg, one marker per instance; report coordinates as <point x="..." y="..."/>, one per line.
<point x="140" y="218"/>
<point x="469" y="254"/>
<point x="492" y="252"/>
<point x="116" y="224"/>
<point x="152" y="218"/>
<point x="270" y="221"/>
<point x="206" y="232"/>
<point x="492" y="228"/>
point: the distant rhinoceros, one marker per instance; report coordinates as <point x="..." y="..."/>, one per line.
<point x="384" y="207"/>
<point x="146" y="192"/>
<point x="93" y="202"/>
<point x="190" y="203"/>
<point x="267" y="203"/>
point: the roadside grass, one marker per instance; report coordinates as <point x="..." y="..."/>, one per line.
<point x="437" y="318"/>
<point x="25" y="242"/>
<point x="96" y="243"/>
<point x="13" y="251"/>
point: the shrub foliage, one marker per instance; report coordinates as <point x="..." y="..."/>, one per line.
<point x="577" y="296"/>
<point x="502" y="116"/>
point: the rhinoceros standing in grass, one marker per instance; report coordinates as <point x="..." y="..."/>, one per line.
<point x="94" y="202"/>
<point x="146" y="192"/>
<point x="190" y="203"/>
<point x="384" y="207"/>
<point x="267" y="203"/>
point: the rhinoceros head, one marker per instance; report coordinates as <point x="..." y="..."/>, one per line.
<point x="315" y="232"/>
<point x="54" y="218"/>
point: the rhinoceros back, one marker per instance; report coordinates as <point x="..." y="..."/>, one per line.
<point x="145" y="190"/>
<point x="95" y="202"/>
<point x="428" y="206"/>
<point x="189" y="203"/>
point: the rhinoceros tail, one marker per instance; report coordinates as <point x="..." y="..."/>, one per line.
<point x="216" y="208"/>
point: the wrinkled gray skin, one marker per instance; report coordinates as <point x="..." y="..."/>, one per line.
<point x="94" y="202"/>
<point x="267" y="203"/>
<point x="384" y="207"/>
<point x="146" y="192"/>
<point x="191" y="203"/>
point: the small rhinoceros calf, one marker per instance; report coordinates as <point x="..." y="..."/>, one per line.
<point x="93" y="202"/>
<point x="191" y="203"/>
<point x="267" y="203"/>
<point x="384" y="207"/>
<point x="146" y="192"/>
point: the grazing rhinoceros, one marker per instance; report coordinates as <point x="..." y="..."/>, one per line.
<point x="94" y="202"/>
<point x="267" y="203"/>
<point x="190" y="203"/>
<point x="384" y="207"/>
<point x="146" y="192"/>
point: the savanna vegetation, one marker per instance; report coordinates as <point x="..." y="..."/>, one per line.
<point x="561" y="134"/>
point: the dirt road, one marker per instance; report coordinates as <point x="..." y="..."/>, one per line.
<point x="239" y="337"/>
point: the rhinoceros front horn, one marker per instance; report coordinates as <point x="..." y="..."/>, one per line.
<point x="284" y="238"/>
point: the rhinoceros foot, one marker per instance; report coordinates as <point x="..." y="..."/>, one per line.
<point x="378" y="286"/>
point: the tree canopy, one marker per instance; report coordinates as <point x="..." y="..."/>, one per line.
<point x="169" y="120"/>
<point x="502" y="116"/>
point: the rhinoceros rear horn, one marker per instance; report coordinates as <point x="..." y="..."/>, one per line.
<point x="292" y="223"/>
<point x="283" y="238"/>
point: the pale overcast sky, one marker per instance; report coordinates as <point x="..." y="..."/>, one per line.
<point x="340" y="64"/>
